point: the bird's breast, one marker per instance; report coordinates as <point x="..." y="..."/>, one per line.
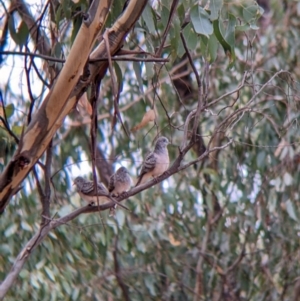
<point x="162" y="164"/>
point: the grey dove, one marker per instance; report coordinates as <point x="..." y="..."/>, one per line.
<point x="118" y="184"/>
<point x="86" y="191"/>
<point x="156" y="163"/>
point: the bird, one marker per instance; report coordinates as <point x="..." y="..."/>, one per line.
<point x="118" y="184"/>
<point x="86" y="191"/>
<point x="156" y="163"/>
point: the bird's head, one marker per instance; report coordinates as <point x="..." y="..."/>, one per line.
<point x="79" y="181"/>
<point x="122" y="170"/>
<point x="162" y="142"/>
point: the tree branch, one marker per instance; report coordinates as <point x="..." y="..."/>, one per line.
<point x="121" y="58"/>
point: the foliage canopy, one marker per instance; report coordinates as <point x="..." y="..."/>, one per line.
<point x="220" y="80"/>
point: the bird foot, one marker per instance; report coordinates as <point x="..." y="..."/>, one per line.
<point x="91" y="204"/>
<point x="159" y="178"/>
<point x="124" y="194"/>
<point x="156" y="179"/>
<point x="166" y="173"/>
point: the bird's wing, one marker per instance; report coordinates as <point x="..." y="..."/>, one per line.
<point x="87" y="187"/>
<point x="149" y="164"/>
<point x="111" y="184"/>
<point x="101" y="189"/>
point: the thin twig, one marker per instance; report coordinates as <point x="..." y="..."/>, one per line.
<point x="115" y="58"/>
<point x="167" y="29"/>
<point x="47" y="189"/>
<point x="116" y="91"/>
<point x="5" y="122"/>
<point x="32" y="100"/>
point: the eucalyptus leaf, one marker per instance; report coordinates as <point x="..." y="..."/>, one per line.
<point x="201" y="21"/>
<point x="290" y="208"/>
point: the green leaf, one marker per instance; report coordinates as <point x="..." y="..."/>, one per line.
<point x="291" y="210"/>
<point x="137" y="71"/>
<point x="12" y="29"/>
<point x="175" y="34"/>
<point x="34" y="281"/>
<point x="119" y="74"/>
<point x="23" y="33"/>
<point x="11" y="230"/>
<point x="67" y="287"/>
<point x="150" y="284"/>
<point x="191" y="38"/>
<point x="75" y="293"/>
<point x="212" y="48"/>
<point x="26" y="226"/>
<point x="9" y="110"/>
<point x="57" y="50"/>
<point x="287" y="179"/>
<point x="76" y="25"/>
<point x="120" y="217"/>
<point x="164" y="16"/>
<point x="19" y="36"/>
<point x="230" y="31"/>
<point x="229" y="49"/>
<point x="181" y="12"/>
<point x="58" y="15"/>
<point x="260" y="159"/>
<point x="209" y="202"/>
<point x="209" y="47"/>
<point x="17" y="130"/>
<point x="204" y="45"/>
<point x="49" y="273"/>
<point x="24" y="274"/>
<point x="67" y="8"/>
<point x="215" y="7"/>
<point x="251" y="12"/>
<point x="148" y="18"/>
<point x="65" y="210"/>
<point x="244" y="27"/>
<point x="200" y="20"/>
<point x="149" y="70"/>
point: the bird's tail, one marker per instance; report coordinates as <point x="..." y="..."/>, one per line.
<point x="139" y="181"/>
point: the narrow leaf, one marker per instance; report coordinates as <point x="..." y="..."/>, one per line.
<point x="291" y="210"/>
<point x="190" y="37"/>
<point x="137" y="71"/>
<point x="229" y="49"/>
<point x="119" y="74"/>
<point x="148" y="18"/>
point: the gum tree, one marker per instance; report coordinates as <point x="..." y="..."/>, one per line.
<point x="89" y="88"/>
